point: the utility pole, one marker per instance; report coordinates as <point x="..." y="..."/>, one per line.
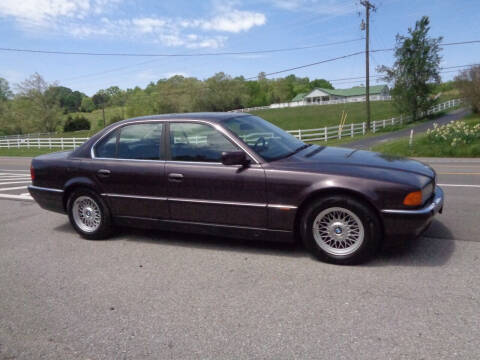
<point x="368" y="6"/>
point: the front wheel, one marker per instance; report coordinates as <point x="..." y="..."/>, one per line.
<point x="89" y="214"/>
<point x="341" y="230"/>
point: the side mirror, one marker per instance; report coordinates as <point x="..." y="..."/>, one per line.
<point x="234" y="158"/>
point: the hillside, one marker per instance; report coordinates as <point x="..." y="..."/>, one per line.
<point x="308" y="117"/>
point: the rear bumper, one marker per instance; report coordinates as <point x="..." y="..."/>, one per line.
<point x="48" y="198"/>
<point x="401" y="225"/>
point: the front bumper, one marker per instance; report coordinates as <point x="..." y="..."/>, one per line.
<point x="48" y="198"/>
<point x="404" y="224"/>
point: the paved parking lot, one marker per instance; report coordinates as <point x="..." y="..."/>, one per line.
<point x="154" y="295"/>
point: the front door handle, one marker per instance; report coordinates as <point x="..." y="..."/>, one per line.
<point x="172" y="177"/>
<point x="103" y="173"/>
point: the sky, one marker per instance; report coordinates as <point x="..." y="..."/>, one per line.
<point x="212" y="26"/>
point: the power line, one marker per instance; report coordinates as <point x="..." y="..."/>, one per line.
<point x="308" y="65"/>
<point x="353" y="54"/>
<point x="376" y="76"/>
<point x="249" y="52"/>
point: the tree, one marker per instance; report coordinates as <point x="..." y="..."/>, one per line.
<point x="416" y="67"/>
<point x="100" y="99"/>
<point x="468" y="83"/>
<point x="321" y="83"/>
<point x="35" y="105"/>
<point x="5" y="92"/>
<point x="87" y="105"/>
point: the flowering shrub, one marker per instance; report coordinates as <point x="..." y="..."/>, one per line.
<point x="454" y="133"/>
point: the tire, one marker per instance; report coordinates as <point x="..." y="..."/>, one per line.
<point x="89" y="214"/>
<point x="349" y="232"/>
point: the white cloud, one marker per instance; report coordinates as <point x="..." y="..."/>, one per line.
<point x="88" y="18"/>
<point x="44" y="12"/>
<point x="234" y="21"/>
<point x="324" y="7"/>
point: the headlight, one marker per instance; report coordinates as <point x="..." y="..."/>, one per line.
<point x="427" y="191"/>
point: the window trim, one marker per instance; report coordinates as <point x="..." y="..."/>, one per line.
<point x="168" y="152"/>
<point x="118" y="130"/>
<point x="256" y="158"/>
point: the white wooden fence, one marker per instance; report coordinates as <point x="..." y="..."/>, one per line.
<point x="318" y="134"/>
<point x="57" y="143"/>
<point x="315" y="103"/>
<point x="350" y="130"/>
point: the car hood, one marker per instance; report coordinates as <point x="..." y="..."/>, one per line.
<point x="313" y="156"/>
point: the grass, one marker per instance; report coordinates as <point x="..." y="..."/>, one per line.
<point x="25" y="152"/>
<point x="422" y="147"/>
<point x="96" y="119"/>
<point x="316" y="116"/>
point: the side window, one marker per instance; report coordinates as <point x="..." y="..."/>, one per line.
<point x="140" y="141"/>
<point x="197" y="142"/>
<point x="107" y="147"/>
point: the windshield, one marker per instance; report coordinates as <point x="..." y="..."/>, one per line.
<point x="267" y="140"/>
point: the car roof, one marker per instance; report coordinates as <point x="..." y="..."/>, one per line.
<point x="210" y="116"/>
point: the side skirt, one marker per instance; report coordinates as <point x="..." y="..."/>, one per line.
<point x="239" y="232"/>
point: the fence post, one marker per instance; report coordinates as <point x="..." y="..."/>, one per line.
<point x="18" y="143"/>
<point x="374" y="126"/>
<point x="352" y="130"/>
<point x="363" y="128"/>
<point x="38" y="140"/>
<point x="28" y="142"/>
<point x="61" y="142"/>
<point x="299" y="134"/>
<point x="326" y="134"/>
<point x="339" y="132"/>
<point x="74" y="143"/>
<point x="8" y="143"/>
<point x="384" y="124"/>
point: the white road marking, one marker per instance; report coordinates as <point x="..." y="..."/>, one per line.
<point x="14" y="177"/>
<point x="17" y="197"/>
<point x="15" y="182"/>
<point x="26" y="171"/>
<point x="460" y="185"/>
<point x="13" y="188"/>
<point x="14" y="174"/>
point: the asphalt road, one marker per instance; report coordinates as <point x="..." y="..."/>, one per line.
<point x="367" y="143"/>
<point x="154" y="295"/>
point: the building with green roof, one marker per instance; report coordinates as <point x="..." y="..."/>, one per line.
<point x="356" y="93"/>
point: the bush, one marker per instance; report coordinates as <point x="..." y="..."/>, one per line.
<point x="77" y="123"/>
<point x="458" y="132"/>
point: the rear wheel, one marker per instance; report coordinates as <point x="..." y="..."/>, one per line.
<point x="89" y="214"/>
<point x="341" y="230"/>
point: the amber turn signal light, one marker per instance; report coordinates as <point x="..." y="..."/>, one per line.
<point x="413" y="199"/>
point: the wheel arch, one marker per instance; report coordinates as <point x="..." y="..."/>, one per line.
<point x="77" y="183"/>
<point x="318" y="194"/>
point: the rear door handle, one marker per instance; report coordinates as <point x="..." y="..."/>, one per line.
<point x="104" y="173"/>
<point x="175" y="177"/>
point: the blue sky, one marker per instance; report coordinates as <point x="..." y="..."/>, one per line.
<point x="183" y="26"/>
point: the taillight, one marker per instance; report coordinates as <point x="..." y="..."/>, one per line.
<point x="32" y="172"/>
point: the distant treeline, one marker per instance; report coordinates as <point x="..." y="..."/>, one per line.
<point x="39" y="106"/>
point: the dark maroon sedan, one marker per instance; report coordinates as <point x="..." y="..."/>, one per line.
<point x="237" y="175"/>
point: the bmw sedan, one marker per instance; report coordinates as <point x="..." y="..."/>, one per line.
<point x="237" y="175"/>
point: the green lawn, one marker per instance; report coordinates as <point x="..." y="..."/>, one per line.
<point x="96" y="119"/>
<point x="316" y="116"/>
<point x="28" y="152"/>
<point x="422" y="147"/>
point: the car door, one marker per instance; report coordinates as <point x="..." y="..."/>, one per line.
<point x="129" y="165"/>
<point x="202" y="189"/>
